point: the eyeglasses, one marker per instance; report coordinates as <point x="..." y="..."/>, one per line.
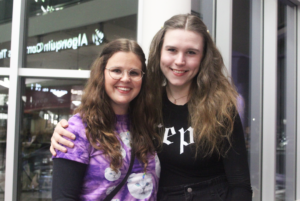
<point x="117" y="73"/>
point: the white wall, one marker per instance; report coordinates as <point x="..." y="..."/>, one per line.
<point x="151" y="17"/>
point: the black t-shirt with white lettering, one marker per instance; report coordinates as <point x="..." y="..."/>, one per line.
<point x="179" y="165"/>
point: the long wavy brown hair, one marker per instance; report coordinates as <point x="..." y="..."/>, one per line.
<point x="212" y="97"/>
<point x="98" y="114"/>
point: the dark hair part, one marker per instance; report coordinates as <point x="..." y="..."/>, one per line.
<point x="99" y="116"/>
<point x="212" y="98"/>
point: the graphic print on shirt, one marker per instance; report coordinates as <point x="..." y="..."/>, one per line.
<point x="110" y="189"/>
<point x="157" y="166"/>
<point x="181" y="132"/>
<point x="111" y="175"/>
<point x="140" y="185"/>
<point x="125" y="137"/>
<point x="100" y="180"/>
<point x="123" y="152"/>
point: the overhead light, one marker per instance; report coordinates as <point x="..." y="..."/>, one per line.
<point x="58" y="93"/>
<point x="76" y="103"/>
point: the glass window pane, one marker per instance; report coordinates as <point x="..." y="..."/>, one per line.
<point x="246" y="72"/>
<point x="281" y="137"/>
<point x="5" y="30"/>
<point x="4" y="85"/>
<point x="6" y="7"/>
<point x="69" y="34"/>
<point x="45" y="102"/>
<point x="6" y="11"/>
<point x="241" y="60"/>
<point x="44" y="7"/>
<point x="286" y="103"/>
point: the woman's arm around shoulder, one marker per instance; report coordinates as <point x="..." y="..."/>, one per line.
<point x="57" y="139"/>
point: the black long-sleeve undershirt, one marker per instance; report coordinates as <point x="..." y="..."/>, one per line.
<point x="67" y="179"/>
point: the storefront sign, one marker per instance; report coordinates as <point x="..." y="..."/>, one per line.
<point x="56" y="46"/>
<point x="4" y="53"/>
<point x="51" y="46"/>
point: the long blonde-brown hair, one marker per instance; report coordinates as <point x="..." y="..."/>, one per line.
<point x="98" y="114"/>
<point x="212" y="98"/>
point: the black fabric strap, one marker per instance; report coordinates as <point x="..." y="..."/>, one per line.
<point x="116" y="190"/>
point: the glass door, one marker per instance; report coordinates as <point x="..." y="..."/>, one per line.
<point x="286" y="103"/>
<point x="246" y="71"/>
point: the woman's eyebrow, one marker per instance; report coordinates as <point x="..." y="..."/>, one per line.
<point x="193" y="49"/>
<point x="122" y="67"/>
<point x="115" y="67"/>
<point x="169" y="46"/>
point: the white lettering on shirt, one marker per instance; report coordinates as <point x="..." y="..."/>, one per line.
<point x="184" y="143"/>
<point x="166" y="135"/>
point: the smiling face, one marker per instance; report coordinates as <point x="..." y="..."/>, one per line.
<point x="181" y="56"/>
<point x="123" y="90"/>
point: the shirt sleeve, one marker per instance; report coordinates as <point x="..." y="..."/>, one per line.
<point x="67" y="179"/>
<point x="236" y="165"/>
<point x="81" y="150"/>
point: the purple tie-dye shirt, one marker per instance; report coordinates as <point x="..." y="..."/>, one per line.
<point x="99" y="179"/>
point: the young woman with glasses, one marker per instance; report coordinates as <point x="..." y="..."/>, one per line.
<point x="109" y="123"/>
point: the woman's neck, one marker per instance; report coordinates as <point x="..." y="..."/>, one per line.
<point x="120" y="110"/>
<point x="178" y="95"/>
